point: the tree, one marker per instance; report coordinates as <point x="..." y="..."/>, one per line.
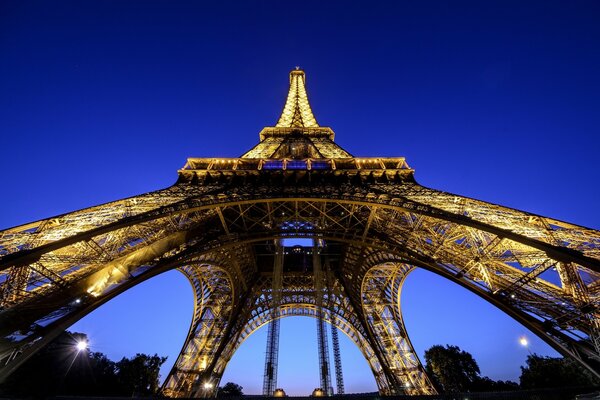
<point x="451" y="369"/>
<point x="230" y="389"/>
<point x="140" y="374"/>
<point x="549" y="372"/>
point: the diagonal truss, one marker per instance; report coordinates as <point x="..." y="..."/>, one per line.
<point x="218" y="223"/>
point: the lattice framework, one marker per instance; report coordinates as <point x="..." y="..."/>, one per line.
<point x="215" y="225"/>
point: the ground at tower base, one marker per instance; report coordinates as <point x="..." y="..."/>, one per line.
<point x="546" y="394"/>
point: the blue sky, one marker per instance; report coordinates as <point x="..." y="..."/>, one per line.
<point x="101" y="100"/>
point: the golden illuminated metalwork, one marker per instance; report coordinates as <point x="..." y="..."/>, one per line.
<point x="220" y="223"/>
<point x="296" y="112"/>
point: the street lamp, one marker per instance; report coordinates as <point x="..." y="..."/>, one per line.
<point x="207" y="387"/>
<point x="523" y="341"/>
<point x="81" y="345"/>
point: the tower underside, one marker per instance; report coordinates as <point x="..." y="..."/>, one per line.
<point x="219" y="225"/>
<point x="219" y="235"/>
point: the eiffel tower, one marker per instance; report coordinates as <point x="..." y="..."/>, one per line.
<point x="224" y="224"/>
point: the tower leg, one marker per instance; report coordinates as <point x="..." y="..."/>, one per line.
<point x="381" y="304"/>
<point x="196" y="372"/>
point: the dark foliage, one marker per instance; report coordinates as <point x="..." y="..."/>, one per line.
<point x="60" y="369"/>
<point x="139" y="375"/>
<point x="485" y="384"/>
<point x="549" y="372"/>
<point x="453" y="370"/>
<point x="230" y="389"/>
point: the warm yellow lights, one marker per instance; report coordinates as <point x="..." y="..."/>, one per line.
<point x="208" y="385"/>
<point x="296" y="112"/>
<point x="279" y="393"/>
<point x="204" y="362"/>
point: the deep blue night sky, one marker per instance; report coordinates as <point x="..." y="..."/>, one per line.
<point x="101" y="100"/>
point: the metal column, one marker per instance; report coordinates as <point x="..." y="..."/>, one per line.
<point x="337" y="358"/>
<point x="272" y="353"/>
<point x="324" y="371"/>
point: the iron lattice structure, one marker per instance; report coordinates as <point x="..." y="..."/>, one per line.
<point x="220" y="224"/>
<point x="272" y="352"/>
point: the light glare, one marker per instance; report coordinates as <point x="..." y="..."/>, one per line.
<point x="81" y="345"/>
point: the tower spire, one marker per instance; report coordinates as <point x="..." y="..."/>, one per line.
<point x="296" y="112"/>
<point x="297" y="134"/>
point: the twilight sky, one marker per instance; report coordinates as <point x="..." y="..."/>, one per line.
<point x="101" y="100"/>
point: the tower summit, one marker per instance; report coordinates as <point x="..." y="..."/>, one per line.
<point x="297" y="135"/>
<point x="296" y="112"/>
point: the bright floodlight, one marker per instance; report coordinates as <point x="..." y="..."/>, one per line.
<point x="523" y="341"/>
<point x="208" y="385"/>
<point x="81" y="345"/>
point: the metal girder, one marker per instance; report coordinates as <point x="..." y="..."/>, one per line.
<point x="322" y="341"/>
<point x="337" y="357"/>
<point x="272" y="352"/>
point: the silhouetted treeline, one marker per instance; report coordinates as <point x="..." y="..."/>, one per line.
<point x="62" y="369"/>
<point x="549" y="372"/>
<point x="453" y="370"/>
